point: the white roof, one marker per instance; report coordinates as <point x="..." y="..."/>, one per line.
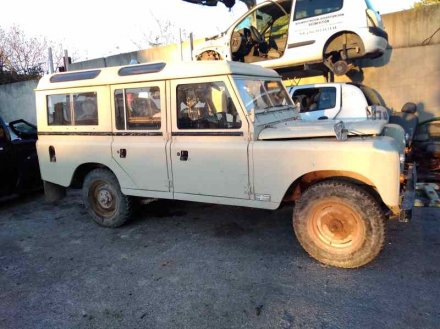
<point x="174" y="70"/>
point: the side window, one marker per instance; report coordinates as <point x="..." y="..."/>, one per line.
<point x="58" y="110"/>
<point x="315" y="99"/>
<point x="79" y="109"/>
<point x="206" y="106"/>
<point x="311" y="8"/>
<point x="138" y="108"/>
<point x="85" y="109"/>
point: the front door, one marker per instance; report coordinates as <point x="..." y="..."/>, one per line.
<point x="209" y="149"/>
<point x="139" y="138"/>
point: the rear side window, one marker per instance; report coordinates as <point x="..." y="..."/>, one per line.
<point x="80" y="109"/>
<point x="311" y="8"/>
<point x="315" y="99"/>
<point x="138" y="108"/>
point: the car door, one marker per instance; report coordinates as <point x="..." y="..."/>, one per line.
<point x="139" y="137"/>
<point x="209" y="149"/>
<point x="314" y="21"/>
<point x="8" y="175"/>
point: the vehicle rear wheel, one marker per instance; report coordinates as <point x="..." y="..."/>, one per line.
<point x="339" y="224"/>
<point x="103" y="199"/>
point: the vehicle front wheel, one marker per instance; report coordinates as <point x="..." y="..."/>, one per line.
<point x="339" y="224"/>
<point x="103" y="199"/>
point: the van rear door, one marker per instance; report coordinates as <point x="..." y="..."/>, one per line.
<point x="139" y="134"/>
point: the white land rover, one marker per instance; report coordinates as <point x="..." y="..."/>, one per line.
<point x="225" y="133"/>
<point x="283" y="33"/>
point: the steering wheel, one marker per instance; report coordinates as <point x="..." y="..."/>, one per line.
<point x="256" y="36"/>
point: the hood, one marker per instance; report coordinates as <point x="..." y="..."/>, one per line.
<point x="324" y="128"/>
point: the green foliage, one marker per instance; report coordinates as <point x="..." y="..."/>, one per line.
<point x="422" y="3"/>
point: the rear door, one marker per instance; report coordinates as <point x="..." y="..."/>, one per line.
<point x="8" y="174"/>
<point x="139" y="134"/>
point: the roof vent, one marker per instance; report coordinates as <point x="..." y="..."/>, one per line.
<point x="141" y="69"/>
<point x="75" y="76"/>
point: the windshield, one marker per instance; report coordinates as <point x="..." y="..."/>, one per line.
<point x="262" y="95"/>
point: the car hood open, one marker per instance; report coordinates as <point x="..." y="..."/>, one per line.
<point x="313" y="129"/>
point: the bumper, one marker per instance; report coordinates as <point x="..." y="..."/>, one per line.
<point x="378" y="32"/>
<point x="375" y="41"/>
<point x="408" y="194"/>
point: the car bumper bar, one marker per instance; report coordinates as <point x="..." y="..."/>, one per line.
<point x="377" y="31"/>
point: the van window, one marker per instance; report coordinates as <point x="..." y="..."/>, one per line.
<point x="206" y="106"/>
<point x="311" y="8"/>
<point x="138" y="108"/>
<point x="315" y="99"/>
<point x="79" y="109"/>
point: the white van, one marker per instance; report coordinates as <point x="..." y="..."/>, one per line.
<point x="284" y="33"/>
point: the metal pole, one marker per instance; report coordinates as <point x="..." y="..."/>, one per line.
<point x="191" y="44"/>
<point x="181" y="45"/>
<point x="66" y="60"/>
<point x="50" y="60"/>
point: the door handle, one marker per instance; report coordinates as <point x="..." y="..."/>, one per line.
<point x="183" y="155"/>
<point x="122" y="153"/>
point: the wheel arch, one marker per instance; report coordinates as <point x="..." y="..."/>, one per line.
<point x="296" y="189"/>
<point x="82" y="170"/>
<point x="339" y="34"/>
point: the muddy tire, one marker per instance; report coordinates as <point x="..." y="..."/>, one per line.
<point x="339" y="224"/>
<point x="103" y="199"/>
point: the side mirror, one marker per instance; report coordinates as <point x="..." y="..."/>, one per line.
<point x="409" y="108"/>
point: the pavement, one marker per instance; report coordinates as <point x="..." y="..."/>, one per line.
<point x="189" y="265"/>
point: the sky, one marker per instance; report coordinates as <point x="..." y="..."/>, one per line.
<point x="91" y="29"/>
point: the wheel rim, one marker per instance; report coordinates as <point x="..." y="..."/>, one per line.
<point x="103" y="199"/>
<point x="336" y="227"/>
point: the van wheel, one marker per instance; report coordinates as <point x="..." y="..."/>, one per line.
<point x="103" y="199"/>
<point x="339" y="224"/>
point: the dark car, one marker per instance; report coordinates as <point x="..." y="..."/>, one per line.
<point x="19" y="170"/>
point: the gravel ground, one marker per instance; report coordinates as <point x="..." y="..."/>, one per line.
<point x="188" y="265"/>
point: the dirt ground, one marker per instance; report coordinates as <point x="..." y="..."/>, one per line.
<point x="188" y="265"/>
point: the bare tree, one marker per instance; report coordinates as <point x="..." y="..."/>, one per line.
<point x="24" y="57"/>
<point x="166" y="33"/>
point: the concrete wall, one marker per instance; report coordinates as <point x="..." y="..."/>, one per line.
<point x="168" y="53"/>
<point x="17" y="101"/>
